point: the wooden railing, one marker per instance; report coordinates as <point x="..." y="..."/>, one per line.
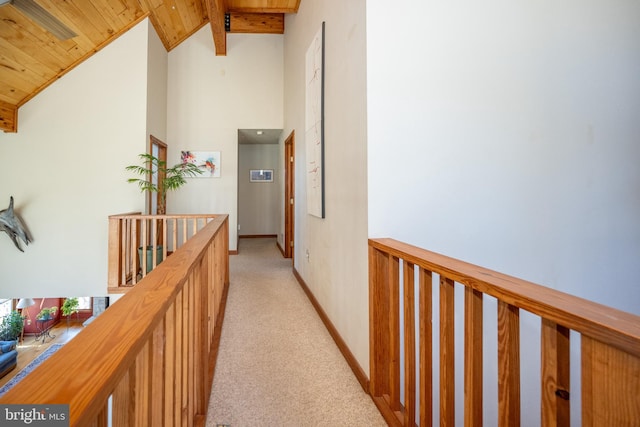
<point x="162" y="234"/>
<point x="153" y="351"/>
<point x="609" y="351"/>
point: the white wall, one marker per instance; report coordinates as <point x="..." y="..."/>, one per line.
<point x="65" y="169"/>
<point x="157" y="76"/>
<point x="336" y="269"/>
<point x="507" y="135"/>
<point x="211" y="97"/>
<point x="258" y="202"/>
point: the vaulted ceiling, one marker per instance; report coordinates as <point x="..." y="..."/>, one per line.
<point x="41" y="40"/>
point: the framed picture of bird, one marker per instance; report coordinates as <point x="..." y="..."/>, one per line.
<point x="207" y="161"/>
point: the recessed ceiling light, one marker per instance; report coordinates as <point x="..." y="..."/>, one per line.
<point x="259" y="132"/>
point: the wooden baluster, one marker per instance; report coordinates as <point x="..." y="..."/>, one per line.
<point x="176" y="234"/>
<point x="164" y="237"/>
<point x="508" y="365"/>
<point x="127" y="262"/>
<point x="135" y="242"/>
<point x="555" y="375"/>
<point x="409" y="345"/>
<point x="212" y="312"/>
<point x="179" y="358"/>
<point x="185" y="356"/>
<point x="153" y="230"/>
<point x="201" y="339"/>
<point x="174" y="245"/>
<point x="157" y="373"/>
<point x="184" y="231"/>
<point x="426" y="348"/>
<point x="191" y="374"/>
<point x="472" y="358"/>
<point x="447" y="353"/>
<point x="212" y="291"/>
<point x="121" y="269"/>
<point x="224" y="237"/>
<point x="114" y="257"/>
<point x="170" y="384"/>
<point x="393" y="282"/>
<point x="102" y="419"/>
<point x="142" y="387"/>
<point x="123" y="402"/>
<point x="379" y="323"/>
<point x="144" y="247"/>
<point x="610" y="385"/>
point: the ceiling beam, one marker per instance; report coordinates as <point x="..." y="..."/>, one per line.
<point x="263" y="23"/>
<point x="8" y="117"/>
<point x="216" y="10"/>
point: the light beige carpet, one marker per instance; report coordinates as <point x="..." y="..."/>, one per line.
<point x="277" y="364"/>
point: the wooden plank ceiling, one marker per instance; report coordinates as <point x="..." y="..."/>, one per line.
<point x="31" y="57"/>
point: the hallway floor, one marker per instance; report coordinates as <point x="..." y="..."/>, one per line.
<point x="277" y="364"/>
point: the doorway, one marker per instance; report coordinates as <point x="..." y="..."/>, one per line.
<point x="259" y="192"/>
<point x="289" y="193"/>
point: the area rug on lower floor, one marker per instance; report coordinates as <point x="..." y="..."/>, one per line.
<point x="30" y="367"/>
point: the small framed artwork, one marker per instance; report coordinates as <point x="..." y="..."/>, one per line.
<point x="261" y="175"/>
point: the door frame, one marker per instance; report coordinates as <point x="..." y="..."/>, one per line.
<point x="162" y="155"/>
<point x="289" y="195"/>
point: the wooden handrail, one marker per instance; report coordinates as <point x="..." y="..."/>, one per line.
<point x="610" y="342"/>
<point x="151" y="350"/>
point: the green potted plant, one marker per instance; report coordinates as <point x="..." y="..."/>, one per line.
<point x="47" y="313"/>
<point x="69" y="307"/>
<point x="156" y="177"/>
<point x="11" y="326"/>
